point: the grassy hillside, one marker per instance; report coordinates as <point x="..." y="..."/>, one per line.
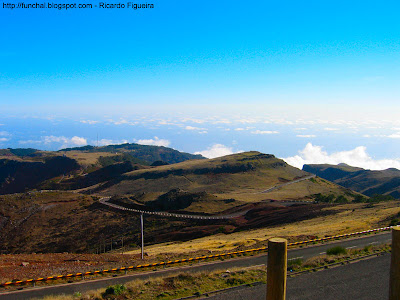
<point x="241" y="176"/>
<point x="75" y="168"/>
<point x="367" y="182"/>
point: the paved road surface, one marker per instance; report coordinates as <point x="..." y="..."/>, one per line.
<point x="214" y="265"/>
<point x="287" y="183"/>
<point x="362" y="280"/>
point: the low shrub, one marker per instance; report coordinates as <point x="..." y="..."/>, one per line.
<point x="336" y="250"/>
<point x="115" y="290"/>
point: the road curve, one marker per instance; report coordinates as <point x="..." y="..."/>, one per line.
<point x="104" y="201"/>
<point x="287" y="183"/>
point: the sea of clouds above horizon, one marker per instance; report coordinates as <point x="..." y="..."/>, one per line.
<point x="370" y="144"/>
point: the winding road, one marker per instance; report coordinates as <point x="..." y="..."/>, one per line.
<point x="104" y="201"/>
<point x="168" y="214"/>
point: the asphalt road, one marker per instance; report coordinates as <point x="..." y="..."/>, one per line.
<point x="168" y="214"/>
<point x="104" y="201"/>
<point x="83" y="286"/>
<point x="287" y="183"/>
<point x="362" y="280"/>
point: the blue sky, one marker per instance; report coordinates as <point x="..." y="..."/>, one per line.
<point x="280" y="65"/>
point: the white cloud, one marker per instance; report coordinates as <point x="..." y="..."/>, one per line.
<point x="4" y="133"/>
<point x="91" y="122"/>
<point x="225" y="121"/>
<point x="106" y="142"/>
<point x="66" y="142"/>
<point x="358" y="157"/>
<point x="394" y="135"/>
<point x="165" y="122"/>
<point x="239" y="129"/>
<point x="216" y="150"/>
<point x="193" y="128"/>
<point x="30" y="142"/>
<point x="4" y="136"/>
<point x="154" y="142"/>
<point x="248" y="121"/>
<point x="78" y="141"/>
<point x="282" y="122"/>
<point x="122" y="122"/>
<point x="194" y="120"/>
<point x="264" y="132"/>
<point x="331" y="129"/>
<point x="306" y="135"/>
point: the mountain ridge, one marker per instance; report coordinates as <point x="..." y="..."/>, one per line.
<point x="367" y="182"/>
<point x="22" y="169"/>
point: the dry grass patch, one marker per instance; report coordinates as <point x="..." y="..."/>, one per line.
<point x="176" y="286"/>
<point x="349" y="218"/>
<point x="323" y="260"/>
<point x="86" y="158"/>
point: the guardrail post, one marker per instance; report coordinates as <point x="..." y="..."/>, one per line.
<point x="277" y="269"/>
<point x="142" y="235"/>
<point x="394" y="287"/>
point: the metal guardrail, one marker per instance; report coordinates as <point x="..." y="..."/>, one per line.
<point x="188" y="260"/>
<point x="167" y="214"/>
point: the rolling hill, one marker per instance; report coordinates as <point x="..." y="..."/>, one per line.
<point x="242" y="177"/>
<point x="68" y="216"/>
<point x="74" y="168"/>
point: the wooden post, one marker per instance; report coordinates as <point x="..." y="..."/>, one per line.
<point x="277" y="269"/>
<point x="394" y="287"/>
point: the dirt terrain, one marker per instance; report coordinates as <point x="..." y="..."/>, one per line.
<point x="23" y="266"/>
